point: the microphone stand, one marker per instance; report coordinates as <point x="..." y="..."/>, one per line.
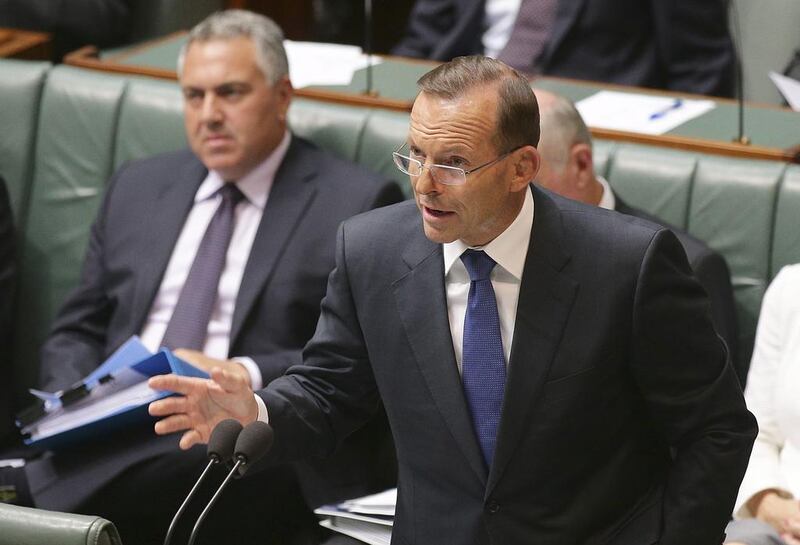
<point x="239" y="462"/>
<point x="737" y="41"/>
<point x="369" y="91"/>
<point x="182" y="508"/>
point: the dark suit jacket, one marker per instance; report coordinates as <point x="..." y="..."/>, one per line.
<point x="8" y="271"/>
<point x="614" y="362"/>
<point x="712" y="272"/>
<point x="682" y="46"/>
<point x="130" y="246"/>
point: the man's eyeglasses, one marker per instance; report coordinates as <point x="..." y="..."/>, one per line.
<point x="441" y="174"/>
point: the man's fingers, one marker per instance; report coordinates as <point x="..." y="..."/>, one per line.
<point x="175" y="383"/>
<point x="168" y="406"/>
<point x="229" y="381"/>
<point x="189" y="439"/>
<point x="171" y="424"/>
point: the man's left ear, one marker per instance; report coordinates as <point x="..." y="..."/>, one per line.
<point x="526" y="166"/>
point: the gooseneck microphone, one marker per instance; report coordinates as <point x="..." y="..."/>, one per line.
<point x="254" y="441"/>
<point x="221" y="446"/>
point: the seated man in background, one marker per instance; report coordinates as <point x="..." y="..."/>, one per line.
<point x="7" y="277"/>
<point x="568" y="169"/>
<point x="222" y="251"/>
<point x="681" y="46"/>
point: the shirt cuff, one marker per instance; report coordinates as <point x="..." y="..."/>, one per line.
<point x="256" y="382"/>
<point x="263" y="415"/>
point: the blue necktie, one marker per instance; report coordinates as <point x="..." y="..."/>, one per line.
<point x="483" y="363"/>
<point x="188" y="326"/>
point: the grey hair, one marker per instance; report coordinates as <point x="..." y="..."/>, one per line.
<point x="236" y="23"/>
<point x="563" y="126"/>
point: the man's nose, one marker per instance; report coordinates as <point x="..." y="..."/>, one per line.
<point x="425" y="183"/>
<point x="211" y="112"/>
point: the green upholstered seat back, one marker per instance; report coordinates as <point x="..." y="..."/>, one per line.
<point x="786" y="239"/>
<point x="732" y="209"/>
<point x="150" y="120"/>
<point x="73" y="160"/>
<point x="384" y="132"/>
<point x="658" y="181"/>
<point x="27" y="526"/>
<point x="21" y="88"/>
<point x="333" y="127"/>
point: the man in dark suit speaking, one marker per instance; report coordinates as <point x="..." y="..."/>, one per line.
<point x="549" y="369"/>
<point x="568" y="169"/>
<point x="219" y="252"/>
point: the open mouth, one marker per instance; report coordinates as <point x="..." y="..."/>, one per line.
<point x="436" y="213"/>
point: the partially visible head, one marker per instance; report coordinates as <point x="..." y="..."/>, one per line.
<point x="469" y="112"/>
<point x="566" y="150"/>
<point x="235" y="80"/>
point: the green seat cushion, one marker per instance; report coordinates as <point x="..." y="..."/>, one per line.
<point x="384" y="132"/>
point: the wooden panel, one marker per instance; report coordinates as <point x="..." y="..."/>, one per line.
<point x="24" y="44"/>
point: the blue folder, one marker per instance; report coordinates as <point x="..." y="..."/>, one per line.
<point x="112" y="397"/>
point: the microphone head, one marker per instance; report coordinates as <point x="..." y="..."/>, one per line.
<point x="253" y="443"/>
<point x="222" y="440"/>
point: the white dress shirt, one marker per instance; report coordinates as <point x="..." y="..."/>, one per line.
<point x="509" y="250"/>
<point x="499" y="19"/>
<point x="607" y="201"/>
<point x="255" y="186"/>
<point x="772" y="393"/>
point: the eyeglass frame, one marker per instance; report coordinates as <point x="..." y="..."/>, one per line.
<point x="396" y="154"/>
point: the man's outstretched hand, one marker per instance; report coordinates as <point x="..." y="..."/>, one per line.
<point x="202" y="404"/>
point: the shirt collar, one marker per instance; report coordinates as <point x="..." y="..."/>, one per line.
<point x="256" y="184"/>
<point x="607" y="201"/>
<point x="505" y="249"/>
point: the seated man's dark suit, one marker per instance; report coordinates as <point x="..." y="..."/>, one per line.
<point x="614" y="362"/>
<point x="275" y="314"/>
<point x="713" y="274"/>
<point x="7" y="277"/>
<point x="681" y="46"/>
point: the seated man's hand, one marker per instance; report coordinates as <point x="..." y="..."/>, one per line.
<point x="201" y="361"/>
<point x="202" y="405"/>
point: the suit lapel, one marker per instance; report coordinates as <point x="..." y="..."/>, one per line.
<point x="291" y="192"/>
<point x="545" y="300"/>
<point x="567" y="15"/>
<point x="173" y="206"/>
<point x="422" y="304"/>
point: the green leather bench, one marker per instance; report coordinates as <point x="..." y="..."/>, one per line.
<point x="67" y="129"/>
<point x="26" y="526"/>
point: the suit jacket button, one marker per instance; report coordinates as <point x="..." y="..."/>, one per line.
<point x="493" y="507"/>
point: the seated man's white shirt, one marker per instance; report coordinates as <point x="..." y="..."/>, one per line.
<point x="509" y="250"/>
<point x="255" y="186"/>
<point x="607" y="201"/>
<point x="499" y="19"/>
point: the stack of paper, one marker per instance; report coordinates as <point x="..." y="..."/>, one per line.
<point x="633" y="112"/>
<point x="368" y="519"/>
<point x="324" y="64"/>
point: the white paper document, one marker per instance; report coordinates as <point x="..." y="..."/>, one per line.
<point x="789" y="88"/>
<point x="632" y="112"/>
<point x="382" y="503"/>
<point x="372" y="534"/>
<point x="314" y="63"/>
